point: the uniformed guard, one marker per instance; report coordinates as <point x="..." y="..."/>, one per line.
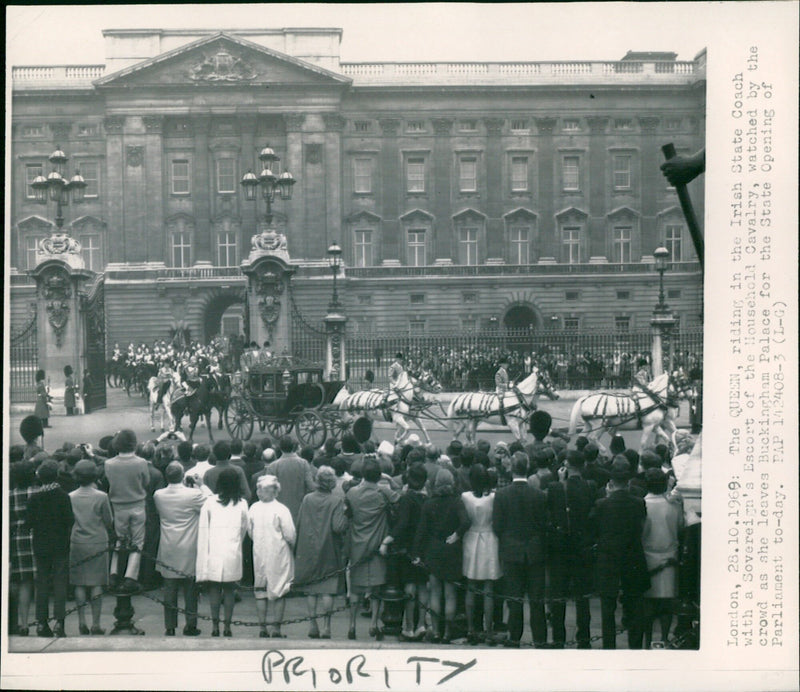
<point x="397" y="375"/>
<point x="501" y="379"/>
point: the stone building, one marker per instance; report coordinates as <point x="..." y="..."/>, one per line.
<point x="465" y="196"/>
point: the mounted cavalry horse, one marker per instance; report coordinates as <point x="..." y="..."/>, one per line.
<point x="407" y="400"/>
<point x="156" y="387"/>
<point x="512" y="410"/>
<point x="197" y="404"/>
<point x="655" y="407"/>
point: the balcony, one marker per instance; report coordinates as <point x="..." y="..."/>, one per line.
<point x="50" y="76"/>
<point x="524" y="73"/>
<point x="498" y="270"/>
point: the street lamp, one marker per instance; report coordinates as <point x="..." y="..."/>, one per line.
<point x="334" y="259"/>
<point x="57" y="187"/>
<point x="269" y="182"/>
<point x="661" y="255"/>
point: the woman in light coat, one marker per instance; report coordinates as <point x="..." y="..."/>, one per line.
<point x="223" y="525"/>
<point x="271" y="527"/>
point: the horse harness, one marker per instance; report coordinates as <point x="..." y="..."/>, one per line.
<point x="521" y="404"/>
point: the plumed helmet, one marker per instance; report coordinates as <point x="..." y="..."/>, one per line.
<point x="30" y="428"/>
<point x="362" y="429"/>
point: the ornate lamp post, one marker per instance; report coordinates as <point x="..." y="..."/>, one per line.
<point x="663" y="320"/>
<point x="334" y="259"/>
<point x="57" y="187"/>
<point x="268" y="181"/>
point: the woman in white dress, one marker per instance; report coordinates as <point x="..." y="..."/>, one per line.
<point x="271" y="527"/>
<point x="481" y="558"/>
<point x="222" y="528"/>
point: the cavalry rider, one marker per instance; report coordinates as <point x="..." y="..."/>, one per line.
<point x="398" y="378"/>
<point x="164" y="377"/>
<point x="191" y="377"/>
<point x="117" y="355"/>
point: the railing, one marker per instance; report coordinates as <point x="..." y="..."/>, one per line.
<point x="627" y="71"/>
<point x="137" y="272"/>
<point x="62" y="74"/>
<point x="516" y="269"/>
<point x="466" y="361"/>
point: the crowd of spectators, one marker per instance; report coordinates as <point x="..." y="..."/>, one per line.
<point x="467" y="533"/>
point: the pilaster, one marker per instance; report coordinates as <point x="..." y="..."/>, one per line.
<point x="392" y="178"/>
<point x="547" y="175"/>
<point x="442" y="204"/>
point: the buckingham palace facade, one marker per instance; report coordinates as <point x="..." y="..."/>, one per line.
<point x="464" y="196"/>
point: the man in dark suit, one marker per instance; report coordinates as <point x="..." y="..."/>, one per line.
<point x="519" y="521"/>
<point x="569" y="557"/>
<point x="617" y="521"/>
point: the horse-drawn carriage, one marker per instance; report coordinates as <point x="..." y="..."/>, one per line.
<point x="280" y="396"/>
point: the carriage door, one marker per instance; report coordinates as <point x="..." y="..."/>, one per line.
<point x="94" y="335"/>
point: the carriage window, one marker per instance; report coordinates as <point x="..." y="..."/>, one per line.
<point x="269" y="384"/>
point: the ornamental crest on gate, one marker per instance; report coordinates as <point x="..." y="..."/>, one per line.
<point x="269" y="287"/>
<point x="57" y="292"/>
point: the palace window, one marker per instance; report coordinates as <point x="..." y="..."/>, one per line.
<point x="518" y="240"/>
<point x="416" y="327"/>
<point x="674" y="293"/>
<point x="520" y="125"/>
<point x="415" y="174"/>
<point x="31" y="245"/>
<point x="571" y="244"/>
<point x="362" y="248"/>
<point x="468" y="246"/>
<point x="470" y="298"/>
<point x="226" y="176"/>
<point x="467" y="125"/>
<point x="673" y="240"/>
<point x="519" y="173"/>
<point x="181" y="249"/>
<point x="468" y="174"/>
<point x="226" y="249"/>
<point x="87" y="130"/>
<point x="415" y="126"/>
<point x="32" y="131"/>
<point x="571" y="125"/>
<point x="90" y="170"/>
<point x="621" y="243"/>
<point x="469" y="324"/>
<point x="623" y="295"/>
<point x="623" y="124"/>
<point x="32" y="171"/>
<point x="572" y="295"/>
<point x="622" y="172"/>
<point x="362" y="176"/>
<point x="362" y="126"/>
<point x="622" y="323"/>
<point x="571" y="172"/>
<point x="90" y="251"/>
<point x="672" y="124"/>
<point x="572" y="324"/>
<point x="416" y="298"/>
<point x="180" y="180"/>
<point x="416" y="247"/>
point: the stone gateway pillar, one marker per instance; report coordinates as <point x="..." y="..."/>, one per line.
<point x="335" y="360"/>
<point x="662" y="324"/>
<point x="60" y="279"/>
<point x="268" y="273"/>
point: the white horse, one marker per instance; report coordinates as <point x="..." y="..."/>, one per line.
<point x="655" y="407"/>
<point x="467" y="410"/>
<point x="153" y="386"/>
<point x="394" y="405"/>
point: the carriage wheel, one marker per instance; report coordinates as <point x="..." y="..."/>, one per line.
<point x="310" y="429"/>
<point x="238" y="420"/>
<point x="340" y="427"/>
<point x="278" y="429"/>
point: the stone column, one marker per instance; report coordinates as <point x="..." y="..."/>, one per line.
<point x="268" y="299"/>
<point x="250" y="210"/>
<point x="202" y="190"/>
<point x="154" y="186"/>
<point x="335" y="346"/>
<point x="495" y="247"/>
<point x="300" y="214"/>
<point x="318" y="244"/>
<point x="598" y="190"/>
<point x="650" y="185"/>
<point x="60" y="277"/>
<point x="391" y="177"/>
<point x="441" y="203"/>
<point x="550" y="246"/>
<point x="114" y="171"/>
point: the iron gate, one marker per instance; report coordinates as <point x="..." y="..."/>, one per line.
<point x="308" y="341"/>
<point x="24" y="362"/>
<point x="94" y="372"/>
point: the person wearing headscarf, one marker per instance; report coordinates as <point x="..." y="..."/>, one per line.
<point x="321" y="524"/>
<point x="367" y="506"/>
<point x="22" y="572"/>
<point x="438" y="546"/>
<point x="270" y="525"/>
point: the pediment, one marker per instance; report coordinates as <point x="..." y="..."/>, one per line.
<point x="621" y="212"/>
<point x="221" y="60"/>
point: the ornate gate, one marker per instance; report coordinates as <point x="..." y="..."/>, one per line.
<point x="24" y="362"/>
<point x="94" y="322"/>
